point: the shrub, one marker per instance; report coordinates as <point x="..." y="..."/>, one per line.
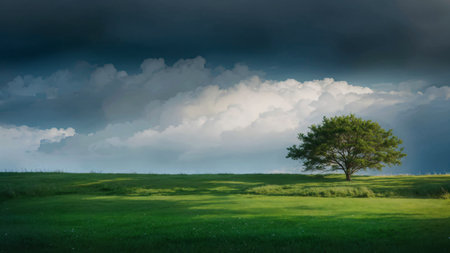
<point x="297" y="190"/>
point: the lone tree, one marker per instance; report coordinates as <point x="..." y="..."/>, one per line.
<point x="347" y="143"/>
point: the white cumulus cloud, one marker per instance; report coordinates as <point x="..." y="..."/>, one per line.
<point x="189" y="118"/>
<point x="19" y="144"/>
<point x="246" y="126"/>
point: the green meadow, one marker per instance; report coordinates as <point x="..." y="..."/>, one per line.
<point x="61" y="212"/>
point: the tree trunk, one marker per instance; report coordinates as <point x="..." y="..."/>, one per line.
<point x="347" y="176"/>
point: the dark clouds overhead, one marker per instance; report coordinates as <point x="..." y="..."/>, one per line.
<point x="311" y="38"/>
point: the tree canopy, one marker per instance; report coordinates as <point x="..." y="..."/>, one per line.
<point x="347" y="143"/>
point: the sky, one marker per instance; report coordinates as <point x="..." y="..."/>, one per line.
<point x="216" y="86"/>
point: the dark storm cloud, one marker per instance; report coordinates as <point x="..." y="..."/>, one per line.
<point x="328" y="36"/>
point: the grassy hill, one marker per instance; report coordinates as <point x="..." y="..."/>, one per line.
<point x="59" y="212"/>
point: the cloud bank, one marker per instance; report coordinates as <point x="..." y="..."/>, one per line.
<point x="19" y="145"/>
<point x="381" y="40"/>
<point x="187" y="118"/>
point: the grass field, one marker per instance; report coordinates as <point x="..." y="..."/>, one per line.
<point x="58" y="212"/>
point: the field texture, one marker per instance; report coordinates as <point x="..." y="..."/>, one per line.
<point x="57" y="212"/>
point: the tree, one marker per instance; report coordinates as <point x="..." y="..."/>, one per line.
<point x="347" y="143"/>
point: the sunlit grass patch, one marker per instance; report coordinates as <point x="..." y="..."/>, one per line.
<point x="234" y="182"/>
<point x="96" y="182"/>
<point x="159" y="191"/>
<point x="300" y="190"/>
<point x="224" y="188"/>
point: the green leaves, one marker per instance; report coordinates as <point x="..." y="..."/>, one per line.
<point x="347" y="143"/>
